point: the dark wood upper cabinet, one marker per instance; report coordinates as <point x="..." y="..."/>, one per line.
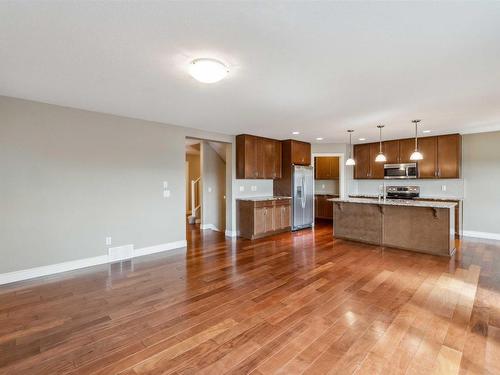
<point x="391" y="151"/>
<point x="449" y="156"/>
<point x="326" y="168"/>
<point x="362" y="157"/>
<point x="376" y="167"/>
<point x="257" y="157"/>
<point x="442" y="157"/>
<point x="300" y="152"/>
<point x="427" y="168"/>
<point x="272" y="158"/>
<point x="406" y="148"/>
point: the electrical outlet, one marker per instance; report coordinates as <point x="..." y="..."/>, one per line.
<point x="242" y="188"/>
<point x="443" y="187"/>
<point x="166" y="193"/>
<point x="209" y="189"/>
<point x="322" y="186"/>
<point x="253" y="188"/>
<point x="165" y="185"/>
<point x="108" y="240"/>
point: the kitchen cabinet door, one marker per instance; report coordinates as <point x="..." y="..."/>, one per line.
<point x="322" y="169"/>
<point x="376" y="168"/>
<point x="259" y="220"/>
<point x="301" y="153"/>
<point x="269" y="219"/>
<point x="278" y="217"/>
<point x="362" y="158"/>
<point x="391" y="151"/>
<point x="448" y="156"/>
<point x="427" y="168"/>
<point x="334" y="162"/>
<point x="285" y="216"/>
<point x="406" y="148"/>
<point x="271" y="158"/>
<point x="259" y="158"/>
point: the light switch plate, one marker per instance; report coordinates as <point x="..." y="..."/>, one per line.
<point x="166" y="193"/>
<point x="242" y="188"/>
<point x="108" y="240"/>
<point x="253" y="188"/>
<point x="443" y="187"/>
<point x="209" y="189"/>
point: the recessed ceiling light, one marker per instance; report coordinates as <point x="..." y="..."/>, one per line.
<point x="362" y="139"/>
<point x="426" y="131"/>
<point x="295" y="133"/>
<point x="319" y="139"/>
<point x="208" y="70"/>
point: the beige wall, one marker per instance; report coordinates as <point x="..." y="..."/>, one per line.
<point x="481" y="172"/>
<point x="213" y="171"/>
<point x="70" y="178"/>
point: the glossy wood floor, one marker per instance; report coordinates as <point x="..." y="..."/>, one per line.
<point x="300" y="303"/>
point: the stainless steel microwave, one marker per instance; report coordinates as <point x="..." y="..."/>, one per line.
<point x="400" y="171"/>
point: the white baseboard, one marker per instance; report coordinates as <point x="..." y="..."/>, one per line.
<point x="209" y="226"/>
<point x="472" y="233"/>
<point x="231" y="233"/>
<point x="30" y="273"/>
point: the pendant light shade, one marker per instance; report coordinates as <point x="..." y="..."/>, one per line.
<point x="350" y="160"/>
<point x="416" y="155"/>
<point x="380" y="157"/>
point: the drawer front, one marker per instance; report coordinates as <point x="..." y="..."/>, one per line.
<point x="264" y="203"/>
<point x="283" y="202"/>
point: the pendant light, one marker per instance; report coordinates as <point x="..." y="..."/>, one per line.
<point x="350" y="160"/>
<point x="380" y="157"/>
<point x="416" y="154"/>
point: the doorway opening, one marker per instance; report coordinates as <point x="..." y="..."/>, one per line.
<point x="206" y="184"/>
<point x="328" y="183"/>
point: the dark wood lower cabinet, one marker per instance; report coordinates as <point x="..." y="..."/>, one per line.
<point x="323" y="208"/>
<point x="263" y="218"/>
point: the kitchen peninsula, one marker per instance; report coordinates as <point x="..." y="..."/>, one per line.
<point x="421" y="226"/>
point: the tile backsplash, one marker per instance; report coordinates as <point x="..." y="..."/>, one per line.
<point x="326" y="186"/>
<point x="452" y="188"/>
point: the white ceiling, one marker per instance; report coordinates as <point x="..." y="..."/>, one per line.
<point x="319" y="68"/>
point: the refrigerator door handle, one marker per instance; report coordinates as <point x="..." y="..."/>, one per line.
<point x="304" y="195"/>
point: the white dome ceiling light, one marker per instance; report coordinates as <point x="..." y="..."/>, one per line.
<point x="417" y="155"/>
<point x="208" y="70"/>
<point x="350" y="160"/>
<point x="380" y="157"/>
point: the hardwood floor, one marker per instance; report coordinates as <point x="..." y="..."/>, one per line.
<point x="300" y="303"/>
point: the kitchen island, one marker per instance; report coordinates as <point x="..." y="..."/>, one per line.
<point x="421" y="226"/>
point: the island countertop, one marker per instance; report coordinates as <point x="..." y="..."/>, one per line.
<point x="396" y="202"/>
<point x="263" y="198"/>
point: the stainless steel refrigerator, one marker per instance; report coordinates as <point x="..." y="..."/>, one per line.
<point x="302" y="196"/>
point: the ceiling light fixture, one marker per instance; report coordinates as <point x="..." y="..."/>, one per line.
<point x="319" y="139"/>
<point x="350" y="160"/>
<point x="380" y="157"/>
<point x="416" y="154"/>
<point x="208" y="70"/>
<point x="295" y="133"/>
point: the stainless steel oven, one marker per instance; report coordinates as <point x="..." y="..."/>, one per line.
<point x="400" y="171"/>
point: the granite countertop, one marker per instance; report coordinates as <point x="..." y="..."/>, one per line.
<point x="437" y="198"/>
<point x="265" y="198"/>
<point x="396" y="202"/>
